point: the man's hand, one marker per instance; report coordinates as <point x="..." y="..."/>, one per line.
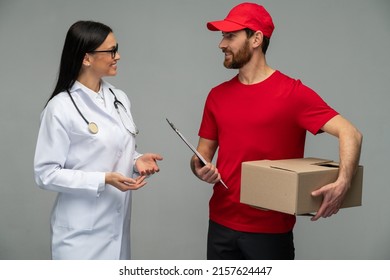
<point x="208" y="173"/>
<point x="333" y="196"/>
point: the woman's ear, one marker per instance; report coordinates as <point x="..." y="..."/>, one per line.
<point x="87" y="60"/>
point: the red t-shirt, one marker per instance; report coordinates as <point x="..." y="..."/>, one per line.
<point x="267" y="120"/>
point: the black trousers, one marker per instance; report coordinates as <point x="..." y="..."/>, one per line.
<point x="226" y="244"/>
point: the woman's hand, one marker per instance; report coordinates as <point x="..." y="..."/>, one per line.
<point x="147" y="164"/>
<point x="124" y="183"/>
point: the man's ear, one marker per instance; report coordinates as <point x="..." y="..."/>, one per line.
<point x="258" y="39"/>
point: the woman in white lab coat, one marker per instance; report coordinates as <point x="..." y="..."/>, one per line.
<point x="86" y="150"/>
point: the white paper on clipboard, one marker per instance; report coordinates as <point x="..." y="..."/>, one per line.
<point x="192" y="148"/>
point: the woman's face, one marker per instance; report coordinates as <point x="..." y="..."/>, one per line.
<point x="104" y="63"/>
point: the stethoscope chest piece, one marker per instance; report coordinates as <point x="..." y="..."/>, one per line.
<point x="93" y="128"/>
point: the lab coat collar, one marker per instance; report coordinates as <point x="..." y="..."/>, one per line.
<point x="79" y="86"/>
<point x="89" y="97"/>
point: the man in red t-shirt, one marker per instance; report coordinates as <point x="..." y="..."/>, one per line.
<point x="261" y="114"/>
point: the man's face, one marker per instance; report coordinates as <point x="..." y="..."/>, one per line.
<point x="236" y="47"/>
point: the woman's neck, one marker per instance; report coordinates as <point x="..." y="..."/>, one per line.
<point x="90" y="82"/>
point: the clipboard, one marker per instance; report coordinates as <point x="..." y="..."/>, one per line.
<point x="201" y="158"/>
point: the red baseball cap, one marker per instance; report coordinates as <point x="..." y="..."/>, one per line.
<point x="245" y="15"/>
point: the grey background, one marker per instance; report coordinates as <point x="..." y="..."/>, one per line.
<point x="169" y="62"/>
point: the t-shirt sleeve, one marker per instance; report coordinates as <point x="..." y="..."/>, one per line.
<point x="313" y="111"/>
<point x="208" y="127"/>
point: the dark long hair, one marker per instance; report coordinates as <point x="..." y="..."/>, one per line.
<point x="82" y="37"/>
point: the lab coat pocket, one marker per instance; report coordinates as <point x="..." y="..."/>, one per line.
<point x="81" y="136"/>
<point x="75" y="212"/>
<point x="80" y="148"/>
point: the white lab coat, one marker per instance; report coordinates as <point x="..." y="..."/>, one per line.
<point x="90" y="220"/>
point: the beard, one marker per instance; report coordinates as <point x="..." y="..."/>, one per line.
<point x="239" y="59"/>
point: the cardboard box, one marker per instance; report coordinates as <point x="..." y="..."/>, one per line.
<point x="286" y="185"/>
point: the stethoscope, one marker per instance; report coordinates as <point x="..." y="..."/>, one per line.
<point x="93" y="127"/>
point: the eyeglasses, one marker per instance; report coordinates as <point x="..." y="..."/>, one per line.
<point x="112" y="51"/>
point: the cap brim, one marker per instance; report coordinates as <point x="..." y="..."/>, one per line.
<point x="224" y="26"/>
